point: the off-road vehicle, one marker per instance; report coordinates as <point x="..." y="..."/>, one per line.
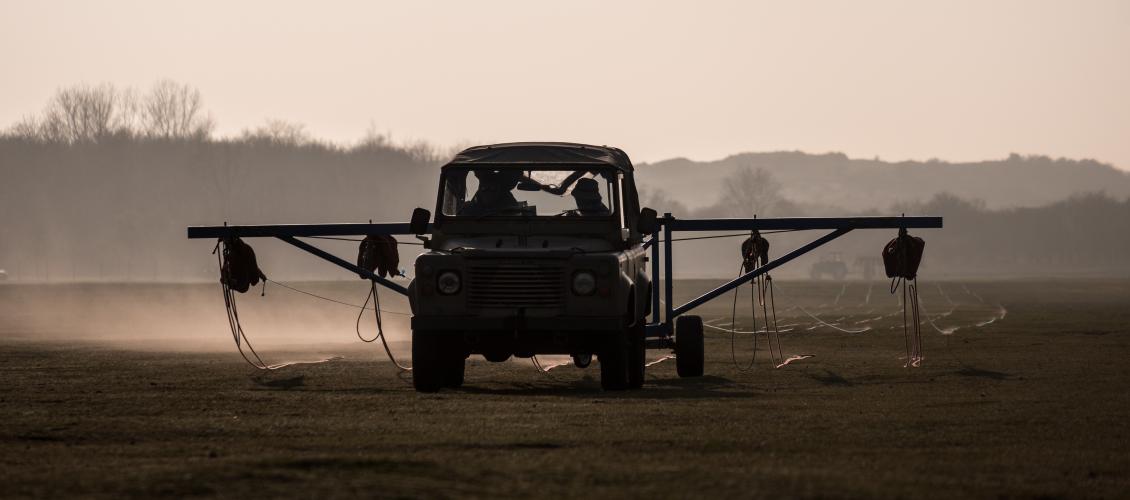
<point x="535" y="248"/>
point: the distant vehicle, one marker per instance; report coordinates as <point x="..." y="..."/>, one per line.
<point x="868" y="266"/>
<point x="831" y="265"/>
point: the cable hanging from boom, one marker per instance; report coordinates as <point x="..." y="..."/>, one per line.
<point x="755" y="253"/>
<point x="239" y="271"/>
<point x="377" y="254"/>
<point x="901" y="258"/>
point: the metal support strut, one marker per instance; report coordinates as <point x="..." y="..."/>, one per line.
<point x="745" y="278"/>
<point x="344" y="263"/>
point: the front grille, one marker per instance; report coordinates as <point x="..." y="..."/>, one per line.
<point x="514" y="285"/>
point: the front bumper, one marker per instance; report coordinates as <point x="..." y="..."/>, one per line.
<point x="557" y="324"/>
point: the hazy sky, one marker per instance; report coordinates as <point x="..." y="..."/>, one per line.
<point x="899" y="80"/>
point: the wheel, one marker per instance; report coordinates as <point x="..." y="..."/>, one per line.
<point x="454" y="368"/>
<point x="637" y="355"/>
<point x="689" y="350"/>
<point x="582" y="360"/>
<point x="614" y="362"/>
<point x="496" y="356"/>
<point x="428" y="373"/>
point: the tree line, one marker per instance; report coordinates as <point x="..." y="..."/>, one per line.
<point x="101" y="184"/>
<point x="172" y="111"/>
<point x="96" y="113"/>
<point x="1082" y="234"/>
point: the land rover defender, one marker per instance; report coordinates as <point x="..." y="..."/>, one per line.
<point x="535" y="248"/>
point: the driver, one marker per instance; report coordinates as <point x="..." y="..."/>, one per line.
<point x="494" y="193"/>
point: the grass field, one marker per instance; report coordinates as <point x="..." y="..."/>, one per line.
<point x="1026" y="398"/>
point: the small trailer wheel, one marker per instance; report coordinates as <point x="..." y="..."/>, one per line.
<point x="428" y="367"/>
<point x="689" y="350"/>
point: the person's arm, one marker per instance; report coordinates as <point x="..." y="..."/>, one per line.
<point x="560" y="189"/>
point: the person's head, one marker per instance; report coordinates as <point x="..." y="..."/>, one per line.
<point x="587" y="194"/>
<point x="495" y="185"/>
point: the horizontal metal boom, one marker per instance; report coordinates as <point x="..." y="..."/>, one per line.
<point x="276" y="230"/>
<point x="802" y="223"/>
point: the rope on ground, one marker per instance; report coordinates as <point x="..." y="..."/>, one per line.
<point x="830" y="325"/>
<point x="544" y="368"/>
<point x="930" y="321"/>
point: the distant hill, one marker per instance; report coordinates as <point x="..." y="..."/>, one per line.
<point x="834" y="180"/>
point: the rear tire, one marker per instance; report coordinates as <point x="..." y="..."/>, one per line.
<point x="614" y="362"/>
<point x="428" y="370"/>
<point x="689" y="349"/>
<point x="637" y="355"/>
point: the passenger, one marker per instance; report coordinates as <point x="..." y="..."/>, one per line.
<point x="587" y="195"/>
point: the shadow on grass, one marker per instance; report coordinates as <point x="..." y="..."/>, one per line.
<point x="654" y="388"/>
<point x="970" y="371"/>
<point x="280" y="384"/>
<point x="831" y="378"/>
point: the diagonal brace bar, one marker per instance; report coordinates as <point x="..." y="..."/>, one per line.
<point x="739" y="281"/>
<point x="344" y="263"/>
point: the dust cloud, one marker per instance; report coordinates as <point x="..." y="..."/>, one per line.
<point x="191" y="317"/>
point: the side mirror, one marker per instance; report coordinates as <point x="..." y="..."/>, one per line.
<point x="528" y="185"/>
<point x="419" y="222"/>
<point x="648" y="222"/>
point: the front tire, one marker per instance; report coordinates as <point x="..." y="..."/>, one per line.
<point x="689" y="348"/>
<point x="614" y="362"/>
<point x="428" y="370"/>
<point x="455" y="369"/>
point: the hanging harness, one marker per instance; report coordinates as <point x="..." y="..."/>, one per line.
<point x="239" y="271"/>
<point x="901" y="258"/>
<point x="378" y="254"/>
<point x="755" y="253"/>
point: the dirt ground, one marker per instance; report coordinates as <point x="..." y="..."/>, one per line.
<point x="1026" y="398"/>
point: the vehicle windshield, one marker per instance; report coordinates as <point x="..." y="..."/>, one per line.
<point x="547" y="192"/>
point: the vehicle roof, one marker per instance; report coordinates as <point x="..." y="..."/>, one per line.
<point x="526" y="154"/>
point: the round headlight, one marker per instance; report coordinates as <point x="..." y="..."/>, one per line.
<point x="448" y="282"/>
<point x="584" y="283"/>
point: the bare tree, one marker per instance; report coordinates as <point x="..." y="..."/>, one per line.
<point x="81" y="113"/>
<point x="748" y="192"/>
<point x="174" y="111"/>
<point x="27" y="128"/>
